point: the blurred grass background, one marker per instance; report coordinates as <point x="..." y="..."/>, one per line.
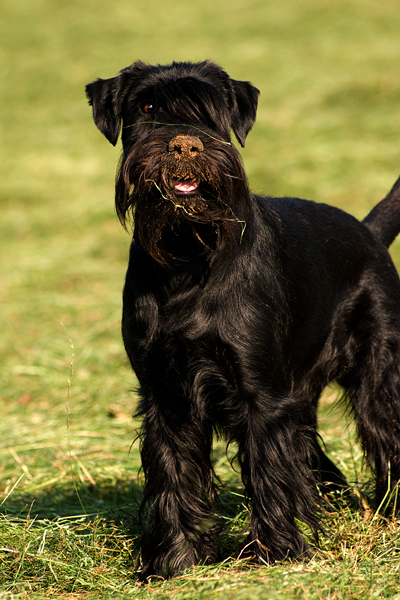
<point x="328" y="129"/>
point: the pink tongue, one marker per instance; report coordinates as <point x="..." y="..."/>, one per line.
<point x="185" y="186"/>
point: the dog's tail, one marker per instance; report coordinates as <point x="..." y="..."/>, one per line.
<point x="384" y="218"/>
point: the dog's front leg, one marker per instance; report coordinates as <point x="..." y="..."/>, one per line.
<point x="178" y="491"/>
<point x="276" y="456"/>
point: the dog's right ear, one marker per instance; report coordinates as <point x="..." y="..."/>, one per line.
<point x="106" y="97"/>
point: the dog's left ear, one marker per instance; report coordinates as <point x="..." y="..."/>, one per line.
<point x="244" y="109"/>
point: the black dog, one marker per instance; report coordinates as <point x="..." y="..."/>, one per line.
<point x="238" y="311"/>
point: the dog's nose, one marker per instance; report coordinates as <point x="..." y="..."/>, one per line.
<point x="186" y="145"/>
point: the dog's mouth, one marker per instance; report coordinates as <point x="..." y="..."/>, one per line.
<point x="184" y="186"/>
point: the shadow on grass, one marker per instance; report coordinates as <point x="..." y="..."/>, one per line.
<point x="96" y="520"/>
<point x="119" y="502"/>
<point x="115" y="509"/>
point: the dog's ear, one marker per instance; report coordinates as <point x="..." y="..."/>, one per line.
<point x="244" y="109"/>
<point x="106" y="97"/>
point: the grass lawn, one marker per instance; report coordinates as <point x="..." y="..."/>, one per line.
<point x="328" y="129"/>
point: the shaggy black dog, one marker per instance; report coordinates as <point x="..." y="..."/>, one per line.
<point x="238" y="311"/>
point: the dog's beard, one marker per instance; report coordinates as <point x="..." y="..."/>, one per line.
<point x="183" y="207"/>
<point x="188" y="184"/>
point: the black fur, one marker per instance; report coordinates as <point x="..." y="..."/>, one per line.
<point x="238" y="311"/>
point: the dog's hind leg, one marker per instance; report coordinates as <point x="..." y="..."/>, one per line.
<point x="371" y="379"/>
<point x="377" y="409"/>
<point x="328" y="475"/>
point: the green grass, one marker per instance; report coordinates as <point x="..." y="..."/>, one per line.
<point x="328" y="128"/>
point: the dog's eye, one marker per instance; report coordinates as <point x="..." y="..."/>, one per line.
<point x="148" y="108"/>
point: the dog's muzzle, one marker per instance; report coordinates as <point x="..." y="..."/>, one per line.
<point x="184" y="149"/>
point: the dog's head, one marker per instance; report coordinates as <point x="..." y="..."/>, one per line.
<point x="178" y="167"/>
